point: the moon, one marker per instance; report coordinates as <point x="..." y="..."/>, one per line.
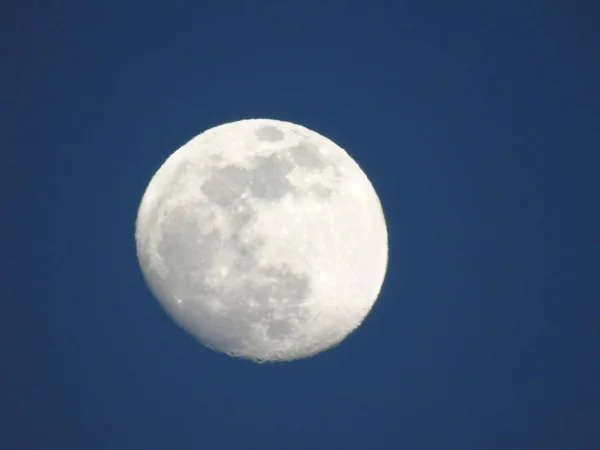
<point x="263" y="239"/>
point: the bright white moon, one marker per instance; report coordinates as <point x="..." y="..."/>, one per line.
<point x="263" y="239"/>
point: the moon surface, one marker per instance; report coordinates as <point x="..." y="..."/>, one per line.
<point x="263" y="239"/>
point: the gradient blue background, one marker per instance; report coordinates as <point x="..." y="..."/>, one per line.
<point x="479" y="125"/>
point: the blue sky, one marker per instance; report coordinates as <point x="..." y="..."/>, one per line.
<point x="478" y="126"/>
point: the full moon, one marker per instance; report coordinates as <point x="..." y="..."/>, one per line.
<point x="263" y="239"/>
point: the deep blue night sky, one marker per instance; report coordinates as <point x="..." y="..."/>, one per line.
<point x="477" y="122"/>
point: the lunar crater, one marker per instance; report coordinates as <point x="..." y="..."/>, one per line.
<point x="269" y="134"/>
<point x="307" y="155"/>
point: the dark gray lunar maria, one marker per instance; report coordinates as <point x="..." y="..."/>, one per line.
<point x="263" y="239"/>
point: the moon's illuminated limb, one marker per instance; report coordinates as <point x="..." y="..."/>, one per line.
<point x="263" y="239"/>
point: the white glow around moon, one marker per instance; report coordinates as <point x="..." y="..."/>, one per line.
<point x="263" y="239"/>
